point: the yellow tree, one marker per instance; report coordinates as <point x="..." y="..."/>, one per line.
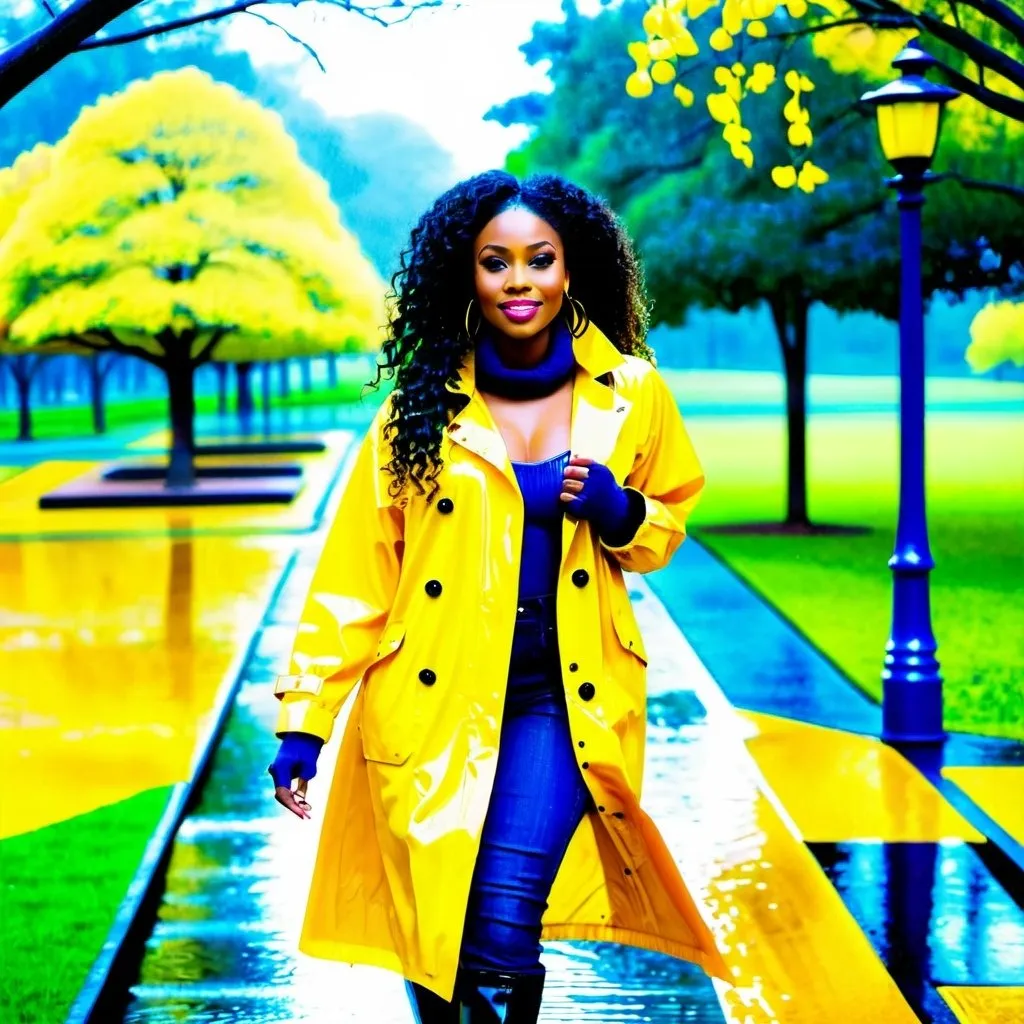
<point x="979" y="43"/>
<point x="179" y="225"/>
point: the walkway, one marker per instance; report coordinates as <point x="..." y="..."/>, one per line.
<point x="807" y="902"/>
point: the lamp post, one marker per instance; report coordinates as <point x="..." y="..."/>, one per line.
<point x="909" y="110"/>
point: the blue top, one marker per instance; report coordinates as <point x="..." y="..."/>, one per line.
<point x="541" y="484"/>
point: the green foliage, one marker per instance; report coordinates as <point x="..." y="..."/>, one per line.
<point x="60" y="888"/>
<point x="178" y="213"/>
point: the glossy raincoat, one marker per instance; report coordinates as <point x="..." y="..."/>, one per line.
<point x="418" y="602"/>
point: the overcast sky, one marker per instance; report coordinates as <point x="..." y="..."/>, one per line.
<point x="442" y="68"/>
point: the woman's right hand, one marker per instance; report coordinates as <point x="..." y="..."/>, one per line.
<point x="296" y="760"/>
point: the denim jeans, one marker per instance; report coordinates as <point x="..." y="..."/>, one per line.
<point x="538" y="800"/>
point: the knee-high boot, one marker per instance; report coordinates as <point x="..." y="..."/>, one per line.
<point x="429" y="1008"/>
<point x="492" y="997"/>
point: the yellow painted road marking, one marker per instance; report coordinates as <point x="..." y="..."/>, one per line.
<point x="840" y="786"/>
<point x="990" y="1004"/>
<point x="999" y="791"/>
<point x="796" y="952"/>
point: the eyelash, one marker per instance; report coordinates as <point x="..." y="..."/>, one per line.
<point x="489" y="263"/>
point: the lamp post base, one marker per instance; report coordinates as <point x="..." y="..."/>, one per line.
<point x="912" y="712"/>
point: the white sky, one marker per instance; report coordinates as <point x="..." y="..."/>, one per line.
<point x="443" y="68"/>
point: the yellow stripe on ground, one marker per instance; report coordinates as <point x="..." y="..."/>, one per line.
<point x="990" y="1004"/>
<point x="999" y="791"/>
<point x="796" y="953"/>
<point x="20" y="513"/>
<point x="113" y="652"/>
<point x="839" y="786"/>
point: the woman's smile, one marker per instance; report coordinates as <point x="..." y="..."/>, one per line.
<point x="520" y="311"/>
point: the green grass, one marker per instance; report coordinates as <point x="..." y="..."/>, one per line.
<point x="60" y="888"/>
<point x="837" y="590"/>
<point x="6" y="472"/>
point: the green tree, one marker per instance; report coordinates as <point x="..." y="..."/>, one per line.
<point x="179" y="225"/>
<point x="712" y="235"/>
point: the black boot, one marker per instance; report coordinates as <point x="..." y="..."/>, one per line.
<point x="429" y="1008"/>
<point x="491" y="997"/>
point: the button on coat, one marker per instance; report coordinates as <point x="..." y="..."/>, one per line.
<point x="406" y="808"/>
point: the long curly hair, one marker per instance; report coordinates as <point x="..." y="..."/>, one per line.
<point x="426" y="340"/>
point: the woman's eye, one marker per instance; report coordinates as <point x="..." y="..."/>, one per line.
<point x="493" y="264"/>
<point x="544" y="260"/>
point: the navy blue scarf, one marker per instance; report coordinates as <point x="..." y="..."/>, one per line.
<point x="557" y="366"/>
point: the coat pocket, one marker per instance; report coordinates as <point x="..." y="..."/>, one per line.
<point x="388" y="721"/>
<point x="626" y="628"/>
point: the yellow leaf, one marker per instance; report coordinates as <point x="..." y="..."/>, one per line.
<point x="738" y="69"/>
<point x="684" y="44"/>
<point x="761" y="78"/>
<point x="675" y="6"/>
<point x="792" y="80"/>
<point x="660" y="49"/>
<point x="799" y="135"/>
<point x="810" y="176"/>
<point x="757" y="30"/>
<point x="796" y="8"/>
<point x="720" y="39"/>
<point x="639" y="85"/>
<point x="663" y="72"/>
<point x="641" y="54"/>
<point x="652" y="22"/>
<point x="784" y="177"/>
<point x="723" y="108"/>
<point x="806" y="84"/>
<point x="763" y="8"/>
<point x="684" y="95"/>
<point x="792" y="110"/>
<point x="736" y="134"/>
<point x="997" y="336"/>
<point x="732" y="19"/>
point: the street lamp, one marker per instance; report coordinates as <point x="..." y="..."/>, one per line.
<point x="909" y="111"/>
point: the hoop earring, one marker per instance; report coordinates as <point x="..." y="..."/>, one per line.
<point x="580" y="321"/>
<point x="471" y="334"/>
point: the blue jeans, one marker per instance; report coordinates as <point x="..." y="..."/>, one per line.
<point x="538" y="800"/>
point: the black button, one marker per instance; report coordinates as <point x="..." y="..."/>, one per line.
<point x="617" y="814"/>
<point x="581" y="577"/>
<point x="586" y="764"/>
<point x="628" y="872"/>
<point x="445" y="505"/>
<point x="573" y="666"/>
<point x="600" y="807"/>
<point x="433" y="588"/>
<point x="427" y="677"/>
<point x="586" y="690"/>
<point x="582" y="744"/>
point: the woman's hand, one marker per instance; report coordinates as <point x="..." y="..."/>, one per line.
<point x="296" y="759"/>
<point x="591" y="492"/>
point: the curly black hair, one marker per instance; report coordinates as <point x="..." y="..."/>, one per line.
<point x="426" y="340"/>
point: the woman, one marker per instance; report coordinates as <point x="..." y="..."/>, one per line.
<point x="491" y="764"/>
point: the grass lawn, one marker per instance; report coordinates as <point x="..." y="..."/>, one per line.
<point x="60" y="888"/>
<point x="837" y="590"/>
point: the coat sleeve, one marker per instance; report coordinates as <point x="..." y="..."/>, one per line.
<point x="666" y="474"/>
<point x="348" y="601"/>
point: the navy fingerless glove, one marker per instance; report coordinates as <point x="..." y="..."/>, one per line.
<point x="615" y="512"/>
<point x="296" y="758"/>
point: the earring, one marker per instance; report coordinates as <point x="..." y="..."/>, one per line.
<point x="471" y="334"/>
<point x="580" y="321"/>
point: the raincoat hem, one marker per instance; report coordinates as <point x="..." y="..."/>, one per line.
<point x="711" y="962"/>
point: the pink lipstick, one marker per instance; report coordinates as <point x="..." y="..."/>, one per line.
<point x="519" y="312"/>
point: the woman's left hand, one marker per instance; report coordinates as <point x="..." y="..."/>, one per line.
<point x="592" y="492"/>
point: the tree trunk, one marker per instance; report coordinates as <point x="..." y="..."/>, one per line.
<point x="306" y="366"/>
<point x="3" y="383"/>
<point x="332" y="370"/>
<point x="182" y="405"/>
<point x="265" y="389"/>
<point x="243" y="384"/>
<point x="23" y="382"/>
<point x="284" y="381"/>
<point x="96" y="380"/>
<point x="789" y="313"/>
<point x="221" y="370"/>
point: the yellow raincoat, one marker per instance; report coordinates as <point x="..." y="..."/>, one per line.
<point x="419" y="601"/>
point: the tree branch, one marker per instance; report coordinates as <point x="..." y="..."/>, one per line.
<point x="1002" y="14"/>
<point x="207" y="350"/>
<point x="1001" y="188"/>
<point x="168" y="26"/>
<point x="996" y="101"/>
<point x="868" y="21"/>
<point x="819" y="231"/>
<point x="294" y="38"/>
<point x="108" y="342"/>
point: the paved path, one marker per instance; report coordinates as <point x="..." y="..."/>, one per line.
<point x="807" y="907"/>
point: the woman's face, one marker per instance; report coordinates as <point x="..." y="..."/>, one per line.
<point x="520" y="275"/>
